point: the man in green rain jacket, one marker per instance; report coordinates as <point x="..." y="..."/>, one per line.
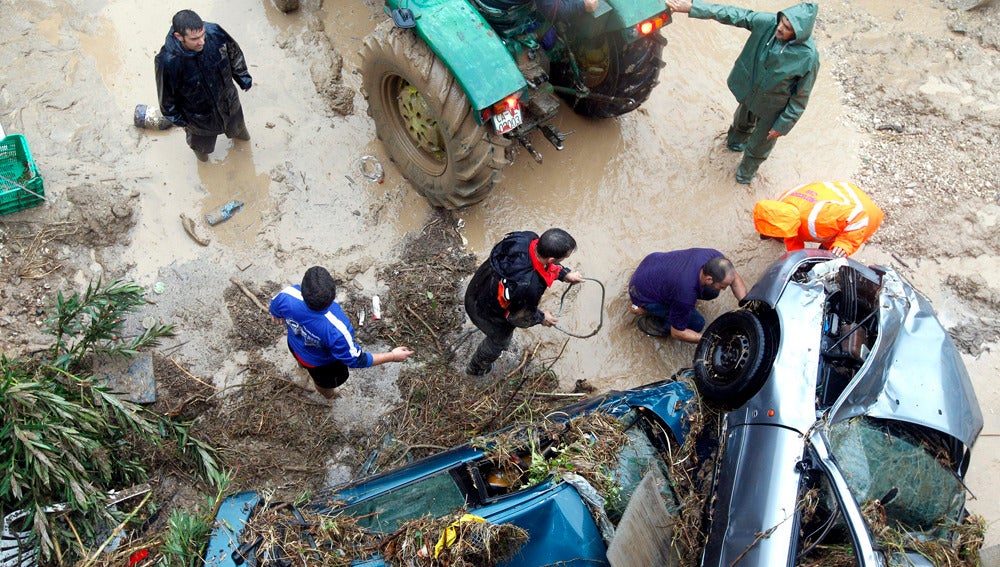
<point x="771" y="79"/>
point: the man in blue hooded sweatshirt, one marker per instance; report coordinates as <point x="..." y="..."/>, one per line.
<point x="771" y="79"/>
<point x="195" y="72"/>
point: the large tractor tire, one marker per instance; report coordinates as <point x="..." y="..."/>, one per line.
<point x="611" y="68"/>
<point x="425" y="121"/>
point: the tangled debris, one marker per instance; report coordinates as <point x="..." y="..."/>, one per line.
<point x="527" y="454"/>
<point x="461" y="540"/>
<point x="305" y="537"/>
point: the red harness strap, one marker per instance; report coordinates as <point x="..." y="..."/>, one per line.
<point x="549" y="273"/>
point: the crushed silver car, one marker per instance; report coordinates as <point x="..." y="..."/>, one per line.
<point x="846" y="400"/>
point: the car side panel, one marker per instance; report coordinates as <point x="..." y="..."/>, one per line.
<point x="756" y="493"/>
<point x="561" y="527"/>
<point x="233" y="514"/>
<point x="788" y="396"/>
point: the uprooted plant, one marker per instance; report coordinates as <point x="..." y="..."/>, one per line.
<point x="68" y="441"/>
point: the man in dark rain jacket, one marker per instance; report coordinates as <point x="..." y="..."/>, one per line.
<point x="771" y="79"/>
<point x="505" y="291"/>
<point x="195" y="70"/>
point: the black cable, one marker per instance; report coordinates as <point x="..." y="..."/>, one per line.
<point x="562" y="300"/>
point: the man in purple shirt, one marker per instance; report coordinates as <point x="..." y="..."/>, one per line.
<point x="666" y="286"/>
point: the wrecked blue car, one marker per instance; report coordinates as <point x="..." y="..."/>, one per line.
<point x="564" y="524"/>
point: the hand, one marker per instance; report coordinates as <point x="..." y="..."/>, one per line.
<point x="679" y="6"/>
<point x="550" y="319"/>
<point x="773" y="134"/>
<point x="573" y="277"/>
<point x="838" y="252"/>
<point x="590" y="5"/>
<point x="401" y="353"/>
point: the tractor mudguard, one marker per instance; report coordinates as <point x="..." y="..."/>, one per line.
<point x="462" y="39"/>
<point x="612" y="15"/>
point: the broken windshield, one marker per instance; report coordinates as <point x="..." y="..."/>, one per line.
<point x="891" y="462"/>
<point x="434" y="496"/>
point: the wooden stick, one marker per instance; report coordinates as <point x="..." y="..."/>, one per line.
<point x="79" y="542"/>
<point x="560" y="394"/>
<point x="250" y="295"/>
<point x="429" y="329"/>
<point x="524" y="360"/>
<point x="189" y="375"/>
<point x="114" y="533"/>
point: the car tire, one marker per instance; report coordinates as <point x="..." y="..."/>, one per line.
<point x="729" y="361"/>
<point x="625" y="72"/>
<point x="424" y="119"/>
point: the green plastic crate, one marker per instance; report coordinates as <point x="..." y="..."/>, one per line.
<point x="19" y="177"/>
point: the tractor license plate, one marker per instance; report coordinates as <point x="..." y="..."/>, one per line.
<point x="508" y="119"/>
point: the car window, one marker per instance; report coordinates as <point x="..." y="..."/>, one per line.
<point x="434" y="496"/>
<point x="634" y="461"/>
<point x="890" y="462"/>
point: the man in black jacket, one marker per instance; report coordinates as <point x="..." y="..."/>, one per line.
<point x="195" y="70"/>
<point x="505" y="291"/>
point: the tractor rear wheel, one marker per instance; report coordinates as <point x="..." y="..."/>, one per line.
<point x="426" y="122"/>
<point x="625" y="72"/>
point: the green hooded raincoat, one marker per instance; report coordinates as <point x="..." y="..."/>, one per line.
<point x="772" y="78"/>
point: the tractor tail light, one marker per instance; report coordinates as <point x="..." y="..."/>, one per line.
<point x="649" y="26"/>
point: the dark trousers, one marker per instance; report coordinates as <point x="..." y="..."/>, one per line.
<point x="205" y="143"/>
<point x="329" y="376"/>
<point x="696" y="321"/>
<point x="752" y="130"/>
<point x="498" y="335"/>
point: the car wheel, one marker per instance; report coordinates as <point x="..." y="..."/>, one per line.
<point x="729" y="365"/>
<point x="424" y="119"/>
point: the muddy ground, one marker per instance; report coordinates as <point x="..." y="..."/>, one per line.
<point x="906" y="104"/>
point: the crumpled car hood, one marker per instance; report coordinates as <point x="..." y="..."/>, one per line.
<point x="915" y="373"/>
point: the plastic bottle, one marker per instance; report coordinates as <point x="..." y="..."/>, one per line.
<point x="371" y="169"/>
<point x="224" y="212"/>
<point x="149" y="117"/>
<point x="376" y="308"/>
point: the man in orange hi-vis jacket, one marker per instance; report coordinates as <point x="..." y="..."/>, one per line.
<point x="838" y="215"/>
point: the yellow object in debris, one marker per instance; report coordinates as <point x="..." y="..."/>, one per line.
<point x="450" y="533"/>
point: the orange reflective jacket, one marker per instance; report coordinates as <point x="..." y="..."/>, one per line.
<point x="835" y="214"/>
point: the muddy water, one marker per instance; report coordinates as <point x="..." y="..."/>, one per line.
<point x="288" y="127"/>
<point x="657" y="179"/>
<point x="654" y="180"/>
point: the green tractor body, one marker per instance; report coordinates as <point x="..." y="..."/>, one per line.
<point x="453" y="84"/>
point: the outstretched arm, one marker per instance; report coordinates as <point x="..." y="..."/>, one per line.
<point x="739" y="287"/>
<point x="679" y="6"/>
<point x="687" y="335"/>
<point x="398" y="354"/>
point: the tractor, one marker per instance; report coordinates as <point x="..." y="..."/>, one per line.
<point x="455" y="87"/>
